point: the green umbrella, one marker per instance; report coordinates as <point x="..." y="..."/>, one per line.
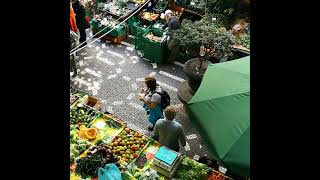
<point x="220" y="110"/>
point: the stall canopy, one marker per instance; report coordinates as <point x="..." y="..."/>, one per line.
<point x="220" y="110"/>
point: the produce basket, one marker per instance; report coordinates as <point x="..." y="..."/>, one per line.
<point x="148" y="17"/>
<point x="139" y="29"/>
<point x="190" y="169"/>
<point x="81" y="113"/>
<point x="128" y="145"/>
<point x="216" y="175"/>
<point x="109" y="128"/>
<point x="155" y="51"/>
<point x="94" y="102"/>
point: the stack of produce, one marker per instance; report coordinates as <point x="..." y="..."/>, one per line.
<point x="152" y="37"/>
<point x="97" y="157"/>
<point x="82" y="114"/>
<point x="115" y="7"/>
<point x="77" y="146"/>
<point x="217" y="176"/>
<point x="149" y="16"/>
<point x="127" y="145"/>
<point x="190" y="170"/>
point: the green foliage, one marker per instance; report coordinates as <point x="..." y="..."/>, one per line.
<point x="245" y="41"/>
<point x="205" y="32"/>
<point x="190" y="170"/>
<point x="222" y="6"/>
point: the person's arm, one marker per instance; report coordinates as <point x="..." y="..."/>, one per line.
<point x="182" y="137"/>
<point x="155" y="134"/>
<point x="153" y="102"/>
<point x="165" y="25"/>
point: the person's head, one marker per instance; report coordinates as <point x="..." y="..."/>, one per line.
<point x="168" y="14"/>
<point x="170" y="113"/>
<point x="150" y="82"/>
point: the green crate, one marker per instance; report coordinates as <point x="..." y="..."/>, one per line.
<point x="155" y="51"/>
<point x="115" y="33"/>
<point x="138" y="43"/>
<point x="138" y="29"/>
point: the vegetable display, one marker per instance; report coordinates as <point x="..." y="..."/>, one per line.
<point x="82" y="114"/>
<point x="152" y="37"/>
<point x="127" y="145"/>
<point x="97" y="157"/>
<point x="149" y="16"/>
<point x="87" y="133"/>
<point x="245" y="41"/>
<point x="217" y="176"/>
<point x="190" y="170"/>
<point x="77" y="146"/>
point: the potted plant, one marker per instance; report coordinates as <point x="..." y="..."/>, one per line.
<point x="207" y="32"/>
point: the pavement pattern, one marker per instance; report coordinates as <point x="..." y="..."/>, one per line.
<point x="115" y="74"/>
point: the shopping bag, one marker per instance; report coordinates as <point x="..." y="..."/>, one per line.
<point x="109" y="172"/>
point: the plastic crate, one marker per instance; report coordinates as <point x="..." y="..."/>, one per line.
<point x="138" y="30"/>
<point x="155" y="51"/>
<point x="114" y="33"/>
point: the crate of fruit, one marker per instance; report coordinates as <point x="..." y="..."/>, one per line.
<point x="108" y="128"/>
<point x="82" y="114"/>
<point x="155" y="46"/>
<point x="127" y="145"/>
<point x="216" y="175"/>
<point x="77" y="144"/>
<point x="148" y="17"/>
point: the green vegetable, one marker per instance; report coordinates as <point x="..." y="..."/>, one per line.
<point x="190" y="170"/>
<point x="245" y="41"/>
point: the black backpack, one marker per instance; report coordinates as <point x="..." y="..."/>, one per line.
<point x="165" y="98"/>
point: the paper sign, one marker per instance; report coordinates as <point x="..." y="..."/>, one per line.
<point x="222" y="169"/>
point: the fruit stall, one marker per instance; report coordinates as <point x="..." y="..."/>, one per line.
<point x="98" y="139"/>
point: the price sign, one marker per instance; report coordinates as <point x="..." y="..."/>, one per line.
<point x="222" y="169"/>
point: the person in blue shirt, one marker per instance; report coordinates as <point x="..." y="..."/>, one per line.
<point x="168" y="131"/>
<point x="152" y="101"/>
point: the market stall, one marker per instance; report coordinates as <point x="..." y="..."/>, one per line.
<point x="220" y="110"/>
<point x="98" y="139"/>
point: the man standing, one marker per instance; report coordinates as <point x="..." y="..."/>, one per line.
<point x="168" y="131"/>
<point x="172" y="24"/>
<point x="74" y="42"/>
<point x="81" y="21"/>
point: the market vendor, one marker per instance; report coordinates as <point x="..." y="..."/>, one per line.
<point x="81" y="21"/>
<point x="173" y="23"/>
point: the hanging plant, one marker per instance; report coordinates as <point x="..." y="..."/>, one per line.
<point x="208" y="32"/>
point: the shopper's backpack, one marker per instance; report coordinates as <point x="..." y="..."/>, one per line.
<point x="165" y="98"/>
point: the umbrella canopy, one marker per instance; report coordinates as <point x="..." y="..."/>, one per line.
<point x="220" y="110"/>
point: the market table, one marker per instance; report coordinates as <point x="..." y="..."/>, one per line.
<point x="110" y="132"/>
